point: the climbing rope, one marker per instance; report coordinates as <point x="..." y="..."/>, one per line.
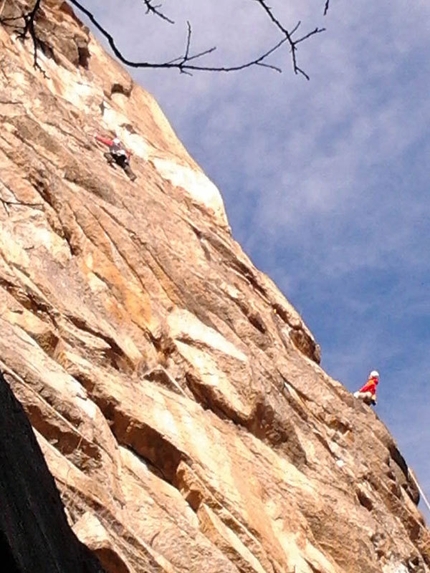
<point x="422" y="494"/>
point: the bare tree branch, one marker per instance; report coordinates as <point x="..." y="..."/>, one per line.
<point x="186" y="57"/>
<point x="308" y="35"/>
<point x="182" y="62"/>
<point x="184" y="67"/>
<point x="187" y="63"/>
<point x="289" y="36"/>
<point x="150" y="9"/>
<point x="28" y="28"/>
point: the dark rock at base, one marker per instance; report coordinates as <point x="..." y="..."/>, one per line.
<point x="34" y="533"/>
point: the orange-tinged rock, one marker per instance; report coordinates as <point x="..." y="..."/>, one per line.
<point x="176" y="394"/>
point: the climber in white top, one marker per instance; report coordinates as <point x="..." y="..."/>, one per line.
<point x="117" y="154"/>
<point x="368" y="392"/>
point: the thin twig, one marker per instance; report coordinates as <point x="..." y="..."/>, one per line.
<point x="28" y="29"/>
<point x="309" y="34"/>
<point x="289" y="36"/>
<point x="150" y="9"/>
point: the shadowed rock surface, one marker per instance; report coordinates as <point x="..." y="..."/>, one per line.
<point x="34" y="533"/>
<point x="175" y="393"/>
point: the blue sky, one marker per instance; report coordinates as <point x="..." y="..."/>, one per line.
<point x="325" y="182"/>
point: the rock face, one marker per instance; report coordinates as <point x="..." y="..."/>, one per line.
<point x="175" y="393"/>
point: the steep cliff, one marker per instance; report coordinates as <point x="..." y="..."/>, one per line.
<point x="175" y="393"/>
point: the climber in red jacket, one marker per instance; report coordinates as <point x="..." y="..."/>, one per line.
<point x="117" y="154"/>
<point x="368" y="392"/>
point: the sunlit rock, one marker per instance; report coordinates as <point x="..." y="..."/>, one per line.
<point x="175" y="393"/>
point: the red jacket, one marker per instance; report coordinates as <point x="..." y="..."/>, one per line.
<point x="370" y="386"/>
<point x="109" y="142"/>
